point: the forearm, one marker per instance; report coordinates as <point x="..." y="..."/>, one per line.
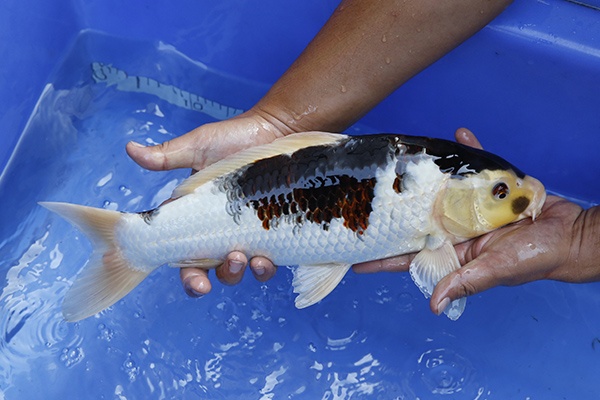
<point x="366" y="50"/>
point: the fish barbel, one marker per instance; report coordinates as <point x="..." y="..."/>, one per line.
<point x="319" y="201"/>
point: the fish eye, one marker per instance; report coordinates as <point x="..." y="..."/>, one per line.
<point x="500" y="191"/>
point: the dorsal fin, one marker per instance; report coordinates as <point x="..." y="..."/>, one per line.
<point x="284" y="145"/>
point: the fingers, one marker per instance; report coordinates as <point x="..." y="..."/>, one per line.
<point x="195" y="281"/>
<point x="231" y="271"/>
<point x="475" y="277"/>
<point x="466" y="137"/>
<point x="206" y="144"/>
<point x="392" y="264"/>
<point x="452" y="287"/>
<point x="262" y="268"/>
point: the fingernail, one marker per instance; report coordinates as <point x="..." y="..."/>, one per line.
<point x="235" y="266"/>
<point x="191" y="291"/>
<point x="442" y="305"/>
<point x="259" y="271"/>
<point x="136" y="144"/>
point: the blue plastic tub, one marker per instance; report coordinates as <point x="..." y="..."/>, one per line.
<point x="78" y="79"/>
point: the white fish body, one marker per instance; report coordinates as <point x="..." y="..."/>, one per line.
<point x="316" y="200"/>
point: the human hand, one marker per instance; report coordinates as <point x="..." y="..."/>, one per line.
<point x="549" y="248"/>
<point x="197" y="149"/>
<point x="320" y="92"/>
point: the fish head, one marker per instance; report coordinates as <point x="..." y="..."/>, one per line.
<point x="477" y="203"/>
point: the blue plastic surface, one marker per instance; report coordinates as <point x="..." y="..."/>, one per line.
<point x="528" y="84"/>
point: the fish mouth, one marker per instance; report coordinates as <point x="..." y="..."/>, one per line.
<point x="537" y="201"/>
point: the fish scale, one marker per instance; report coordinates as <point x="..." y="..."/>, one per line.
<point x="210" y="232"/>
<point x="315" y="200"/>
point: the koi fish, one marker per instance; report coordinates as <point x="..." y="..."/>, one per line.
<point x="318" y="201"/>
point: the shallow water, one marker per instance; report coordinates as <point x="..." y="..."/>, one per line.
<point x="374" y="337"/>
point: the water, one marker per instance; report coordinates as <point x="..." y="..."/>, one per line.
<point x="374" y="337"/>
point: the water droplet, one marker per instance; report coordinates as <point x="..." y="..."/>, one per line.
<point x="110" y="205"/>
<point x="382" y="290"/>
<point x="343" y="89"/>
<point x="105" y="333"/>
<point x="130" y="368"/>
<point x="104" y="180"/>
<point x="388" y="60"/>
<point x="405" y="302"/>
<point x="71" y="356"/>
<point x="384" y="39"/>
<point x="150" y="142"/>
<point x="126" y="191"/>
<point x="383" y="295"/>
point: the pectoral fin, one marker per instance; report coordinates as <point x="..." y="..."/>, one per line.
<point x="430" y="266"/>
<point x="314" y="282"/>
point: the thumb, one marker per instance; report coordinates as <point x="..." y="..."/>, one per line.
<point x="176" y="153"/>
<point x="475" y="277"/>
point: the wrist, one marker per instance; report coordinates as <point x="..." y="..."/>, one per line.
<point x="272" y="120"/>
<point x="584" y="254"/>
<point x="287" y="117"/>
<point x="329" y="112"/>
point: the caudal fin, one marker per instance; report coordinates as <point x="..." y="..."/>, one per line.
<point x="107" y="277"/>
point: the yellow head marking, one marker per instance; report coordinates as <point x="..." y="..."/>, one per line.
<point x="482" y="202"/>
